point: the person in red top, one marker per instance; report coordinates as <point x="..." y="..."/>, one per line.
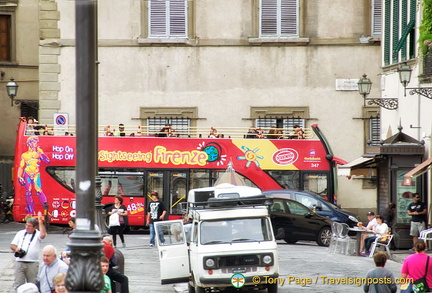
<point x="112" y="272"/>
<point x="108" y="248"/>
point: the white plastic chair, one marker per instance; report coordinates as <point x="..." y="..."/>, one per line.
<point x="335" y="233"/>
<point x="343" y="244"/>
<point x="382" y="241"/>
<point x="426" y="234"/>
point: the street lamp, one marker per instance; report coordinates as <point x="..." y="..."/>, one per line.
<point x="364" y="87"/>
<point x="404" y="71"/>
<point x="12" y="89"/>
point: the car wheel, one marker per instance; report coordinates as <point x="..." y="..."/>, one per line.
<point x="290" y="241"/>
<point x="272" y="288"/>
<point x="199" y="289"/>
<point x="324" y="236"/>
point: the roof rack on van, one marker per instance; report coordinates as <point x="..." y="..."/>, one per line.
<point x="234" y="200"/>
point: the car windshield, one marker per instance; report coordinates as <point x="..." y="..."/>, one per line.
<point x="235" y="230"/>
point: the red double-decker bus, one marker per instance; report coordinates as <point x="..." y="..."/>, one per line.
<point x="134" y="166"/>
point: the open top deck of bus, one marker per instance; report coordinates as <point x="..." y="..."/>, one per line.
<point x="135" y="165"/>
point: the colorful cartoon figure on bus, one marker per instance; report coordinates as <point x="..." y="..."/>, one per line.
<point x="29" y="174"/>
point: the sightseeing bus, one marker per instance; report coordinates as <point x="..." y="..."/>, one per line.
<point x="138" y="162"/>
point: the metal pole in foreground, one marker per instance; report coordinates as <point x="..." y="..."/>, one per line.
<point x="84" y="274"/>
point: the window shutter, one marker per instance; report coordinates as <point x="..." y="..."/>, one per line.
<point x="289" y="19"/>
<point x="387" y="28"/>
<point x="376" y="17"/>
<point x="269" y="12"/>
<point x="158" y="18"/>
<point x="375" y="130"/>
<point x="5" y="23"/>
<point x="178" y="18"/>
<point x="395" y="35"/>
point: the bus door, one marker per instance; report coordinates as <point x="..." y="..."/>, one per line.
<point x="171" y="185"/>
<point x="316" y="182"/>
<point x="130" y="185"/>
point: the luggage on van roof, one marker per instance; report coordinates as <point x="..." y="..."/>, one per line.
<point x="222" y="191"/>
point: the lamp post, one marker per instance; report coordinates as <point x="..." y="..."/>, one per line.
<point x="12" y="89"/>
<point x="364" y="87"/>
<point x="85" y="274"/>
<point x="405" y="71"/>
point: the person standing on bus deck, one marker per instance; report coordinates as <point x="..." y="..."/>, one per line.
<point x="121" y="210"/>
<point x="121" y="131"/>
<point x="156" y="212"/>
<point x="26" y="246"/>
<point x="417" y="210"/>
<point x="29" y="174"/>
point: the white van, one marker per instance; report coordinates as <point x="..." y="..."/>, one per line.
<point x="231" y="242"/>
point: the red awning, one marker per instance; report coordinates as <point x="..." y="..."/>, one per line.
<point x="339" y="161"/>
<point x="417" y="171"/>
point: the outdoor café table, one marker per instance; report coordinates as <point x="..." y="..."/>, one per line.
<point x="359" y="232"/>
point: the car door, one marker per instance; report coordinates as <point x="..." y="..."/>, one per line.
<point x="173" y="251"/>
<point x="305" y="224"/>
<point x="281" y="219"/>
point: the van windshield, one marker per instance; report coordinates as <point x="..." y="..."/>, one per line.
<point x="235" y="230"/>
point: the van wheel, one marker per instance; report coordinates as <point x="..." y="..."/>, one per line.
<point x="191" y="289"/>
<point x="272" y="288"/>
<point x="199" y="289"/>
<point x="324" y="237"/>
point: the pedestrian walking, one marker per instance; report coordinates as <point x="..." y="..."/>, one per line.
<point x="156" y="212"/>
<point x="380" y="279"/>
<point x="119" y="212"/>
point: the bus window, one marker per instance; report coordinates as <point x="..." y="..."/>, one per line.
<point x="178" y="192"/>
<point x="316" y="182"/>
<point x="288" y="179"/>
<point x="63" y="175"/>
<point x="199" y="178"/>
<point x="155" y="182"/>
<point x="219" y="173"/>
<point x="125" y="185"/>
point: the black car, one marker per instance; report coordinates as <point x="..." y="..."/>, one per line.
<point x="292" y="221"/>
<point x="318" y="204"/>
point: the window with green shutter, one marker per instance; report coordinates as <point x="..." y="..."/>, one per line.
<point x="167" y="18"/>
<point x="387" y="18"/>
<point x="279" y="18"/>
<point x="395" y="34"/>
<point x="399" y="32"/>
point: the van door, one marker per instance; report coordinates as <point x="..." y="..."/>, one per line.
<point x="173" y="251"/>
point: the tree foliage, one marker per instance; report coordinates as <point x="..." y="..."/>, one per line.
<point x="426" y="27"/>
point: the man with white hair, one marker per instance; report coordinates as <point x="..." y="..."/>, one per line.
<point x="51" y="266"/>
<point x="28" y="288"/>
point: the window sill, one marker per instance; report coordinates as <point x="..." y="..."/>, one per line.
<point x="180" y="41"/>
<point x="290" y="41"/>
